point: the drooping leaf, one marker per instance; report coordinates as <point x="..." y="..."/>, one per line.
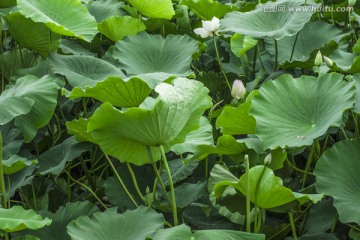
<point x="82" y="71"/>
<point x="54" y="160"/>
<point x="109" y="225"/>
<point x="183" y="232"/>
<point x="175" y="113"/>
<point x="235" y="121"/>
<point x="15" y="164"/>
<point x="240" y="44"/>
<point x="145" y="53"/>
<point x="337" y="175"/>
<point x="154" y="8"/>
<point x="259" y="23"/>
<point x="293" y="112"/>
<point x="120" y="93"/>
<point x="207" y="9"/>
<point x="61" y="218"/>
<point x="226" y="145"/>
<point x="7" y="3"/>
<point x="345" y="61"/>
<point x="129" y="26"/>
<point x="58" y="16"/>
<point x="32" y="35"/>
<point x="32" y="101"/>
<point x="79" y="129"/>
<point x="104" y="9"/>
<point x="266" y="189"/>
<point x="357" y="96"/>
<point x="17" y="218"/>
<point x="201" y="136"/>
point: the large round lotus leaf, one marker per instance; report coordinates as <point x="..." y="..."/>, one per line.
<point x="82" y="71"/>
<point x="312" y="37"/>
<point x="31" y="101"/>
<point x="266" y="189"/>
<point x="116" y="91"/>
<point x="183" y="232"/>
<point x="207" y="9"/>
<point x="264" y="22"/>
<point x="145" y="53"/>
<point x="109" y="225"/>
<point x="65" y="17"/>
<point x="293" y="112"/>
<point x="337" y="175"/>
<point x="163" y="121"/>
<point x="32" y="35"/>
<point x="154" y="8"/>
<point x="129" y="26"/>
<point x="17" y="218"/>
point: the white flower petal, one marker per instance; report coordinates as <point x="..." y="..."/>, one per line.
<point x="216" y="22"/>
<point x="208" y="26"/>
<point x="202" y="32"/>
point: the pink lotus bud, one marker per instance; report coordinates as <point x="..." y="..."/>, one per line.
<point x="238" y="90"/>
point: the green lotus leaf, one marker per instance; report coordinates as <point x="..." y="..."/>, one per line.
<point x="145" y="53"/>
<point x="207" y="9"/>
<point x="260" y="23"/>
<point x="58" y="16"/>
<point x="105" y="9"/>
<point x="129" y="26"/>
<point x="313" y="36"/>
<point x="345" y="61"/>
<point x="15" y="164"/>
<point x="53" y="160"/>
<point x="236" y="121"/>
<point x="82" y="71"/>
<point x="20" y="100"/>
<point x="266" y="189"/>
<point x="337" y="176"/>
<point x="32" y="35"/>
<point x="109" y="225"/>
<point x="61" y="218"/>
<point x="165" y="121"/>
<point x="17" y="218"/>
<point x="154" y="8"/>
<point x="119" y="93"/>
<point x="73" y="47"/>
<point x="240" y="44"/>
<point x="226" y="145"/>
<point x="7" y="3"/>
<point x="201" y="136"/>
<point x="79" y="129"/>
<point x="357" y="102"/>
<point x="293" y="112"/>
<point x="183" y="232"/>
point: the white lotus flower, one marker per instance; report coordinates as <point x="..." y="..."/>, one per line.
<point x="208" y="28"/>
<point x="238" y="90"/>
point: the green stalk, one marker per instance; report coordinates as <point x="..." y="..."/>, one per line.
<point x="293" y="229"/>
<point x="219" y="62"/>
<point x="276" y="55"/>
<point x="133" y="177"/>
<point x="120" y="180"/>
<point x="2" y="58"/>
<point x="293" y="48"/>
<point x="87" y="173"/>
<point x="162" y="185"/>
<point x="2" y="181"/>
<point x="247" y="170"/>
<point x="172" y="191"/>
<point x="308" y="164"/>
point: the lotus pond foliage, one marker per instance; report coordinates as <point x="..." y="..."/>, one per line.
<point x="179" y="119"/>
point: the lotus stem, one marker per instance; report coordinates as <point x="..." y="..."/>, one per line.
<point x="172" y="190"/>
<point x="247" y="172"/>
<point x="120" y="180"/>
<point x="133" y="177"/>
<point x="2" y="181"/>
<point x="219" y="62"/>
<point x="276" y="55"/>
<point x="293" y="229"/>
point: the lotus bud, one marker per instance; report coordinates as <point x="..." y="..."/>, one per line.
<point x="238" y="90"/>
<point x="328" y="62"/>
<point x="351" y="3"/>
<point x="318" y="59"/>
<point x="267" y="159"/>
